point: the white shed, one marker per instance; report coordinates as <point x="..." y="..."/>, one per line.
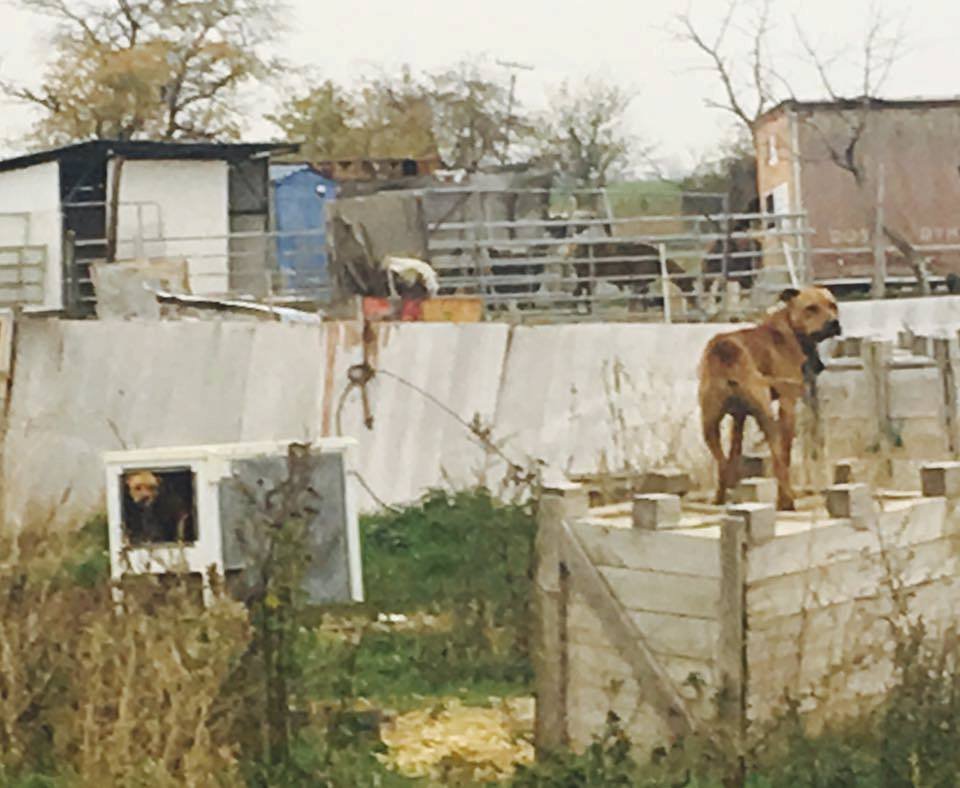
<point x="181" y="200"/>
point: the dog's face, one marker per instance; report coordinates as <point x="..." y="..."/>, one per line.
<point x="143" y="487"/>
<point x="812" y="312"/>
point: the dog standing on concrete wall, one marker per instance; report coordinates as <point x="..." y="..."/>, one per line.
<point x="743" y="372"/>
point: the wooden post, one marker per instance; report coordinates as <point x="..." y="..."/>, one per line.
<point x="113" y="207"/>
<point x="879" y="286"/>
<point x="943" y="353"/>
<point x="557" y="503"/>
<point x="876" y="359"/>
<point x="732" y="650"/>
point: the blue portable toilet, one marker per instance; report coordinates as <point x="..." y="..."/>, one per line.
<point x="300" y="195"/>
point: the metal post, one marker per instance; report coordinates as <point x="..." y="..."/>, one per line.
<point x="788" y="256"/>
<point x="665" y="281"/>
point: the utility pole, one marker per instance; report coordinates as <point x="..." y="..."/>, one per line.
<point x="512" y="67"/>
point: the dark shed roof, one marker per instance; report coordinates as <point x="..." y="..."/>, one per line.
<point x="142" y="149"/>
<point x="844" y="104"/>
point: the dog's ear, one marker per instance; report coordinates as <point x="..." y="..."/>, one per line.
<point x="789" y="294"/>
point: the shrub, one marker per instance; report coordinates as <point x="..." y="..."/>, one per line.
<point x="101" y="694"/>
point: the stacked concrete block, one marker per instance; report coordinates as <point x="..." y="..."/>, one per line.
<point x="656" y="511"/>
<point x="755" y="490"/>
<point x="754" y="602"/>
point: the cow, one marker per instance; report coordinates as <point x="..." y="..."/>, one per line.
<point x="628" y="265"/>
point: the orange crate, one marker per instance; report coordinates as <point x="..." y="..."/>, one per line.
<point x="453" y="309"/>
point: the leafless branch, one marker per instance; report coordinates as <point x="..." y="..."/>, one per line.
<point x="720" y="66"/>
<point x="133" y="23"/>
<point x="817" y="61"/>
<point x="759" y="78"/>
<point x="61" y="9"/>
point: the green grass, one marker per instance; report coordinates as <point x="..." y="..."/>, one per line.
<point x="640" y="198"/>
<point x="468" y="558"/>
<point x="463" y="557"/>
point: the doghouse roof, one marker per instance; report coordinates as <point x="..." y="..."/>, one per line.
<point x="144" y="149"/>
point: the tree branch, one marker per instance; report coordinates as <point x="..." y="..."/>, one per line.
<point x="60" y="9"/>
<point x="712" y="51"/>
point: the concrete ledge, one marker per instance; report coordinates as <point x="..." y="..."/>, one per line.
<point x="671" y="481"/>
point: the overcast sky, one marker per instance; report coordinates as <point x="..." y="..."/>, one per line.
<point x="626" y="41"/>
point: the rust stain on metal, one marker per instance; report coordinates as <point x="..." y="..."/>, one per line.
<point x="332" y="342"/>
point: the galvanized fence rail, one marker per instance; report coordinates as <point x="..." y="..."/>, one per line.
<point x="563" y="267"/>
<point x="239" y="265"/>
<point x="22" y="271"/>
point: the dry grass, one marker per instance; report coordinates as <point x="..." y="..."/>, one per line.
<point x="108" y="695"/>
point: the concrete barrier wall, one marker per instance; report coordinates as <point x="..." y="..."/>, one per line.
<point x="605" y="396"/>
<point x="414" y="443"/>
<point x="883" y="319"/>
<point x="82" y="388"/>
<point x="581" y="398"/>
<point x="578" y="398"/>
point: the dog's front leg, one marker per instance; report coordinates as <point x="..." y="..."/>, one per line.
<point x="788" y="430"/>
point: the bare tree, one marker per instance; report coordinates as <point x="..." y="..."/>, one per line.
<point x="752" y="86"/>
<point x="746" y="98"/>
<point x="584" y="134"/>
<point x="848" y="143"/>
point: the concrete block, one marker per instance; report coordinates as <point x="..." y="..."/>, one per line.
<point x="851" y="347"/>
<point x="921" y="346"/>
<point x="655" y="511"/>
<point x="570" y="498"/>
<point x="755" y="490"/>
<point x="941" y="479"/>
<point x="755" y="466"/>
<point x="852" y="501"/>
<point x="844" y="471"/>
<point x="760" y="520"/>
<point x="668" y="480"/>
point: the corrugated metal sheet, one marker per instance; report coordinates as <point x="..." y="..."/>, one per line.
<point x="579" y="397"/>
<point x="587" y="397"/>
<point x="414" y="444"/>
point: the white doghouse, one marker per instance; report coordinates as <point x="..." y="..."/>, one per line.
<point x="223" y="492"/>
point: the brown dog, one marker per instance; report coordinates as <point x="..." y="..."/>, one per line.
<point x="743" y="372"/>
<point x="154" y="513"/>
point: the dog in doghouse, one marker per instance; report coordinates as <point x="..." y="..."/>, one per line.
<point x="744" y="372"/>
<point x="153" y="512"/>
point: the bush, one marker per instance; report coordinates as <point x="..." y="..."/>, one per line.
<point x="168" y="692"/>
<point x="102" y="696"/>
